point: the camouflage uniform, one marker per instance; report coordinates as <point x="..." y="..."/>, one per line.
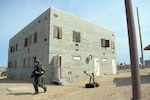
<point x="38" y="75"/>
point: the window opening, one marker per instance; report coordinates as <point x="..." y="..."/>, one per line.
<point x="26" y="42"/>
<point x="76" y="36"/>
<point x="24" y="62"/>
<point x="30" y="40"/>
<point x="33" y="61"/>
<point x="112" y="45"/>
<point x="35" y="37"/>
<point x="57" y="32"/>
<point x="16" y="46"/>
<point x="105" y="43"/>
<point x="28" y="63"/>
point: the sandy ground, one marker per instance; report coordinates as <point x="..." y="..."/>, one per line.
<point x="112" y="87"/>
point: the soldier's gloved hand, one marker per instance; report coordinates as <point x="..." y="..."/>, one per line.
<point x="42" y="72"/>
<point x="36" y="72"/>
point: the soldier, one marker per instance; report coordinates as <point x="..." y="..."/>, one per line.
<point x="38" y="75"/>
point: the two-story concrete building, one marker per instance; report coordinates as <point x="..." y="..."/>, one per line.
<point x="66" y="45"/>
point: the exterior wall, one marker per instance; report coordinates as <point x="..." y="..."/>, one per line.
<point x="21" y="57"/>
<point x="90" y="44"/>
<point x="73" y="56"/>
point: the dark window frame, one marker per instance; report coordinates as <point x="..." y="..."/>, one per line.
<point x="26" y="42"/>
<point x="57" y="32"/>
<point x="29" y="39"/>
<point x="35" y="37"/>
<point x="76" y="36"/>
<point x="16" y="46"/>
<point x="105" y="43"/>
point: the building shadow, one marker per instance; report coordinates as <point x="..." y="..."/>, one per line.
<point x="22" y="93"/>
<point x="7" y="80"/>
<point x="125" y="81"/>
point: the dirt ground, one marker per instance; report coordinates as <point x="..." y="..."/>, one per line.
<point x="112" y="87"/>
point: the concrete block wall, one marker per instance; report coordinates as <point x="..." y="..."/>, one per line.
<point x="38" y="49"/>
<point x="47" y="47"/>
<point x="90" y="44"/>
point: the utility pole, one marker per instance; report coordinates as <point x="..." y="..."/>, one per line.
<point x="142" y="54"/>
<point x="136" y="88"/>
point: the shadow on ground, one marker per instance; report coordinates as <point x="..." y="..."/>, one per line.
<point x="128" y="81"/>
<point x="6" y="80"/>
<point x="22" y="93"/>
<point x="18" y="94"/>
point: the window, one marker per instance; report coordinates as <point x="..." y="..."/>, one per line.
<point x="16" y="46"/>
<point x="9" y="64"/>
<point x="105" y="43"/>
<point x="30" y="40"/>
<point x="76" y="58"/>
<point x="12" y="64"/>
<point x="112" y="45"/>
<point x="28" y="63"/>
<point x="35" y="37"/>
<point x="57" y="32"/>
<point x="26" y="42"/>
<point x="24" y="63"/>
<point x="33" y="60"/>
<point x="11" y="49"/>
<point x="76" y="36"/>
<point x="104" y="59"/>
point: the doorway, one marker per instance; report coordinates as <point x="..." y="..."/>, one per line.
<point x="57" y="67"/>
<point x="114" y="69"/>
<point x="97" y="66"/>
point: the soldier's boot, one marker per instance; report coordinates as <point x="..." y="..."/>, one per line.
<point x="36" y="90"/>
<point x="45" y="88"/>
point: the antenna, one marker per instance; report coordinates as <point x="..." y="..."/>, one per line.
<point x="142" y="54"/>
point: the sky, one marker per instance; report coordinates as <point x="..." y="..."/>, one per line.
<point x="16" y="14"/>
